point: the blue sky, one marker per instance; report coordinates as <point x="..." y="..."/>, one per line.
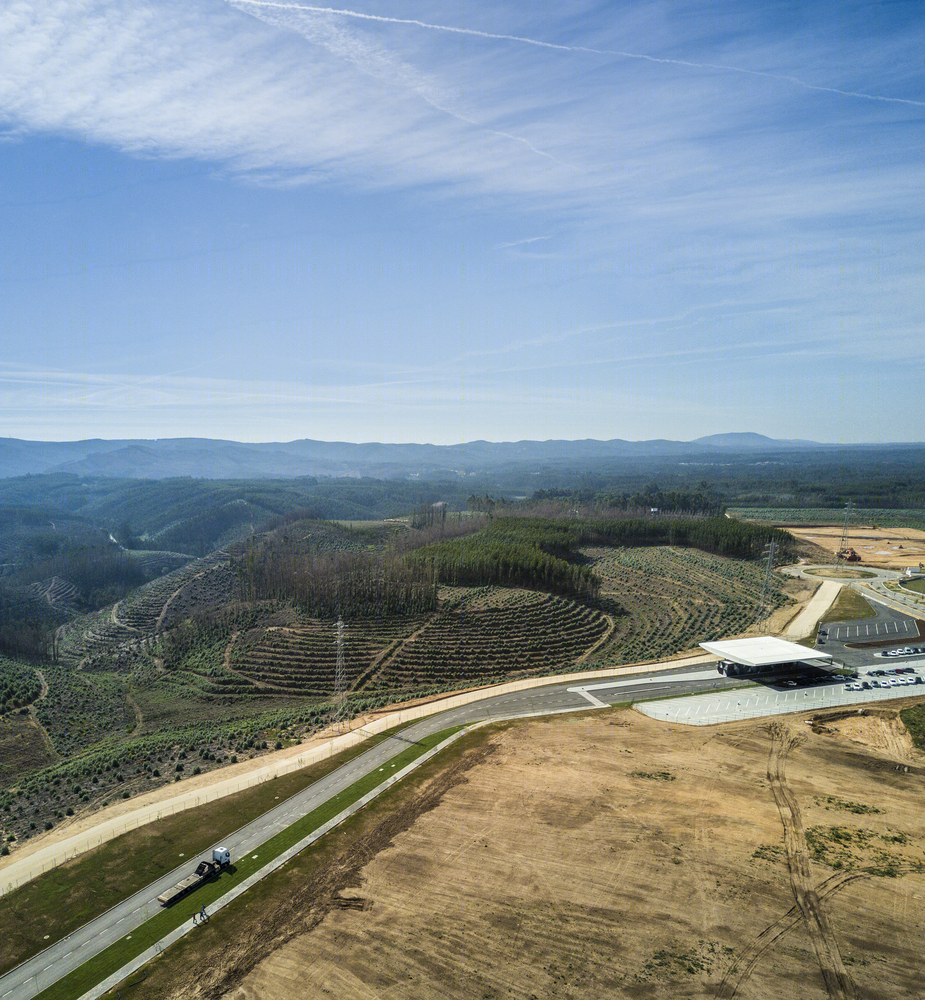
<point x="425" y="221"/>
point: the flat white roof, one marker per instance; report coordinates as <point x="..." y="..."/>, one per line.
<point x="762" y="651"/>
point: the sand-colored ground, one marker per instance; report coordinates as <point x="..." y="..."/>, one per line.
<point x="611" y="856"/>
<point x="881" y="548"/>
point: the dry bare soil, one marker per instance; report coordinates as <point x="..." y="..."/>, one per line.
<point x="608" y="855"/>
<point x="881" y="548"/>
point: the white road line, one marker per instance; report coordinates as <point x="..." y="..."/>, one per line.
<point x="596" y="702"/>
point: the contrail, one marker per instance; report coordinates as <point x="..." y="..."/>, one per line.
<point x="367" y="61"/>
<point x="575" y="48"/>
<point x="520" y="243"/>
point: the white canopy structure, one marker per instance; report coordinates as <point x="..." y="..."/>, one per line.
<point x="762" y="651"/>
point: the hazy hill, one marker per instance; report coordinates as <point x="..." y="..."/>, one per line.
<point x="216" y="459"/>
<point x="753" y="442"/>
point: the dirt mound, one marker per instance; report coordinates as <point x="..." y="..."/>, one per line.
<point x="895" y="548"/>
<point x="880" y="730"/>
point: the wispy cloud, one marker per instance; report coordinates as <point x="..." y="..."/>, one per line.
<point x="746" y="180"/>
<point x="520" y="243"/>
<point x="538" y="43"/>
<point x="374" y="60"/>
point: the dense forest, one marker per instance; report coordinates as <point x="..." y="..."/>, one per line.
<point x="38" y="513"/>
<point x="329" y="584"/>
<point x="542" y="554"/>
<point x="539" y="553"/>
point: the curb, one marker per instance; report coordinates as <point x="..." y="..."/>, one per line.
<point x="158" y="947"/>
<point x="175" y="935"/>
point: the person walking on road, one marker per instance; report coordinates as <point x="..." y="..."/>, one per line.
<point x="194" y="919"/>
<point x="203" y="916"/>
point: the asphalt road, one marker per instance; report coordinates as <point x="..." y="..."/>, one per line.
<point x="889" y="625"/>
<point x="61" y="958"/>
<point x="58" y="960"/>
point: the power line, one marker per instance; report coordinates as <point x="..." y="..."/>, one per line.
<point x="843" y="544"/>
<point x="764" y="610"/>
<point x="340" y="679"/>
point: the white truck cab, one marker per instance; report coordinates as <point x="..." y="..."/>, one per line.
<point x="221" y="855"/>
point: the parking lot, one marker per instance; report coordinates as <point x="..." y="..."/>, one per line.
<point x="763" y="700"/>
<point x="900" y="652"/>
<point x="889" y="626"/>
<point x="873" y="629"/>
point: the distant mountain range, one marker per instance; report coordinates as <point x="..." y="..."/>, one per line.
<point x="203" y="458"/>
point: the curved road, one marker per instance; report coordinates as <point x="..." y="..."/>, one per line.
<point x="46" y="968"/>
<point x="58" y="960"/>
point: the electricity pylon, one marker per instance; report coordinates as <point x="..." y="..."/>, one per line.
<point x="340" y="680"/>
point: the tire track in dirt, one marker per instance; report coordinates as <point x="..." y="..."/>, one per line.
<point x="139" y="717"/>
<point x="226" y="662"/>
<point x="838" y="983"/>
<point x="382" y="660"/>
<point x="605" y="638"/>
<point x="116" y="620"/>
<point x="33" y="715"/>
<point x="734" y="979"/>
<point x="161" y="618"/>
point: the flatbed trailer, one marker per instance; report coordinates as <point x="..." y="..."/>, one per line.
<point x="221" y="858"/>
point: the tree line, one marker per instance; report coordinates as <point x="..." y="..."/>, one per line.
<point x="540" y="553"/>
<point x="640" y="501"/>
<point x="102" y="573"/>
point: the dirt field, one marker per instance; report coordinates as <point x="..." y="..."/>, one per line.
<point x="883" y="548"/>
<point x="608" y="855"/>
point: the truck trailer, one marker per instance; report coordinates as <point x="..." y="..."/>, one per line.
<point x="221" y="858"/>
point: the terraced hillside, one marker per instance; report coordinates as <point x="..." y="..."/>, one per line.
<point x="61" y="595"/>
<point x="478" y="635"/>
<point x="491" y="633"/>
<point x="204" y="663"/>
<point x="675" y="598"/>
<point x="300" y="660"/>
<point x="194" y="588"/>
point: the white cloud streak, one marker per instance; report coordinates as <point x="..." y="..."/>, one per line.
<point x="373" y="60"/>
<point x="538" y="43"/>
<point x="520" y="243"/>
<point x="751" y="215"/>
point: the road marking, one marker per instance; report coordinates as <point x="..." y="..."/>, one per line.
<point x="596" y="702"/>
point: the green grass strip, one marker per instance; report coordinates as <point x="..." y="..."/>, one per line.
<point x="849" y="606"/>
<point x="67" y="897"/>
<point x="113" y="958"/>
